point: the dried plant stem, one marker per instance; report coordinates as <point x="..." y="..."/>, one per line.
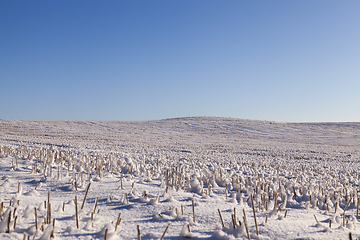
<point x="1" y="210"/>
<point x="235" y="215"/>
<point x="347" y="205"/>
<point x="49" y="214"/>
<point x="76" y="213"/>
<point x="138" y="231"/>
<point x="36" y="220"/>
<point x="96" y="202"/>
<point x="357" y="209"/>
<point x="193" y="208"/>
<point x="87" y="190"/>
<point x="8" y="223"/>
<point x="316" y="219"/>
<point x="222" y="220"/>
<point x="253" y="207"/>
<point x="118" y="221"/>
<point x="246" y="225"/>
<point x="35" y="234"/>
<point x="106" y="233"/>
<point x="53" y="229"/>
<point x="12" y="163"/>
<point x="233" y="221"/>
<point x="127" y="199"/>
<point x="15" y="222"/>
<point x="121" y="181"/>
<point x="162" y="237"/>
<point x="336" y="206"/>
<point x="14" y="212"/>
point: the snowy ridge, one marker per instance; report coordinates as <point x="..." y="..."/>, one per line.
<point x="195" y="134"/>
<point x="183" y="127"/>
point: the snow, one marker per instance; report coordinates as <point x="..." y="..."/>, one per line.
<point x="155" y="173"/>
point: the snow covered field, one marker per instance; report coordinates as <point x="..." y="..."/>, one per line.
<point x="300" y="180"/>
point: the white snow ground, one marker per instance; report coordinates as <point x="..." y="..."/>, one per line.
<point x="301" y="169"/>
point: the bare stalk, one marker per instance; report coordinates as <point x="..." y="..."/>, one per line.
<point x="138" y="231"/>
<point x="253" y="207"/>
<point x="87" y="190"/>
<point x="246" y="225"/>
<point x="76" y="213"/>
<point x="222" y="220"/>
<point x="193" y="208"/>
<point x="162" y="237"/>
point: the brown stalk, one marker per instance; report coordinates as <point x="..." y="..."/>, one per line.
<point x="162" y="237"/>
<point x="87" y="190"/>
<point x="48" y="209"/>
<point x="53" y="228"/>
<point x="193" y="208"/>
<point x="8" y="223"/>
<point x="36" y="220"/>
<point x="1" y="210"/>
<point x="121" y="181"/>
<point x="316" y="219"/>
<point x="222" y="220"/>
<point x="35" y="234"/>
<point x="96" y="202"/>
<point x="138" y="231"/>
<point x="15" y="222"/>
<point x="118" y="221"/>
<point x="106" y="233"/>
<point x="127" y="199"/>
<point x="357" y="208"/>
<point x="233" y="221"/>
<point x="76" y="213"/>
<point x="246" y="226"/>
<point x="253" y="207"/>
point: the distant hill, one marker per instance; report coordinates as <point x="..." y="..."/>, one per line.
<point x="187" y="133"/>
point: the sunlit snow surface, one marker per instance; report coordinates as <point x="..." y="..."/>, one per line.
<point x="320" y="160"/>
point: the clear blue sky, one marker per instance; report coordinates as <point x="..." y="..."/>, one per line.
<point x="142" y="60"/>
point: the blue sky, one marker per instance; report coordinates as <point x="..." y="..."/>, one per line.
<point x="288" y="61"/>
